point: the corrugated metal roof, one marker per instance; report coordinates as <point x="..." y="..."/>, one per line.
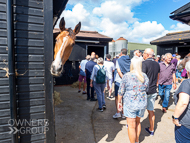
<point x="172" y="37"/>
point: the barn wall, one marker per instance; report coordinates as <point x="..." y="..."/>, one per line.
<point x="4" y="80"/>
<point x="34" y="83"/>
<point x="163" y="49"/>
<point x="79" y="52"/>
<point x="29" y="45"/>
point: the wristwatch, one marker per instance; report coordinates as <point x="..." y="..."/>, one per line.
<point x="174" y="117"/>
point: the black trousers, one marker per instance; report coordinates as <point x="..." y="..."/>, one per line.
<point x="89" y="88"/>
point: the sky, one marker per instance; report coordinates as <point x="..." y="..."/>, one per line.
<point x="139" y="21"/>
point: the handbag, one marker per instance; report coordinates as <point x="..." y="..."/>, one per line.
<point x="82" y="72"/>
<point x="184" y="73"/>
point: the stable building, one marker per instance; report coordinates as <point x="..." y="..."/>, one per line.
<point x="177" y="42"/>
<point x="86" y="42"/>
<point x="182" y="14"/>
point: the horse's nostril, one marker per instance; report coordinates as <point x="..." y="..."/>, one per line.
<point x="53" y="68"/>
<point x="59" y="69"/>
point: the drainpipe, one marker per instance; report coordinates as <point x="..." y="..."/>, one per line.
<point x="11" y="61"/>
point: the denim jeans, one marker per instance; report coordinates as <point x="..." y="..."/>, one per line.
<point x="164" y="92"/>
<point x="178" y="74"/>
<point x="88" y="89"/>
<point x="100" y="93"/>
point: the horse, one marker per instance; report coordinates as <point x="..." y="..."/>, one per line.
<point x="63" y="46"/>
<point x="183" y="62"/>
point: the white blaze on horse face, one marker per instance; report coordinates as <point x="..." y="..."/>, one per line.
<point x="57" y="63"/>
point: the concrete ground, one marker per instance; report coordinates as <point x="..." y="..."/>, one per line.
<point x="78" y="121"/>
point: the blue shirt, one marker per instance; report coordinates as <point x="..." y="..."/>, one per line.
<point x="123" y="63"/>
<point x="89" y="67"/>
<point x="83" y="64"/>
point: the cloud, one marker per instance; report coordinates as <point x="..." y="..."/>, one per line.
<point x="113" y="30"/>
<point x="131" y="3"/>
<point x="116" y="12"/>
<point x="78" y="13"/>
<point x="180" y="27"/>
<point x="147" y="29"/>
<point x="116" y="19"/>
<point x="88" y="2"/>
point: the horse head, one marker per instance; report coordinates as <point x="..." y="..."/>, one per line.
<point x="183" y="62"/>
<point x="63" y="46"/>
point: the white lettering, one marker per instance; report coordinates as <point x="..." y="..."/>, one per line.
<point x="11" y="122"/>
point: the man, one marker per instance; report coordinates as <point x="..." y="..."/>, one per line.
<point x="115" y="59"/>
<point x="162" y="58"/>
<point x="110" y="69"/>
<point x="88" y="68"/>
<point x="137" y="53"/>
<point x="115" y="71"/>
<point x="151" y="68"/>
<point x="174" y="60"/>
<point x="82" y="74"/>
<point x="122" y="66"/>
<point x="158" y="59"/>
<point x="166" y="76"/>
<point x="93" y="55"/>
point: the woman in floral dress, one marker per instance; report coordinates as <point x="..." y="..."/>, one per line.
<point x="133" y="90"/>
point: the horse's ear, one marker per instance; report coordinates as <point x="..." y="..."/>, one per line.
<point x="62" y="24"/>
<point x="77" y="28"/>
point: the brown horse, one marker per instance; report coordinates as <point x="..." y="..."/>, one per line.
<point x="183" y="62"/>
<point x="63" y="46"/>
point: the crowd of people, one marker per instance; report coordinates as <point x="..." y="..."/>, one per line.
<point x="135" y="84"/>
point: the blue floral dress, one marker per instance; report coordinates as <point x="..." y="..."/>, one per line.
<point x="133" y="91"/>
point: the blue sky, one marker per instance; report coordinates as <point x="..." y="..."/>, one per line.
<point x="136" y="20"/>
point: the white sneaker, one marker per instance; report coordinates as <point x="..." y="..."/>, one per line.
<point x="117" y="115"/>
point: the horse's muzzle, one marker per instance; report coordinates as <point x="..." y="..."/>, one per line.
<point x="180" y="67"/>
<point x="56" y="71"/>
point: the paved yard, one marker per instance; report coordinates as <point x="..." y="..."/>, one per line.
<point x="78" y="121"/>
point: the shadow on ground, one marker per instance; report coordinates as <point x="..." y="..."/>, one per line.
<point x="104" y="124"/>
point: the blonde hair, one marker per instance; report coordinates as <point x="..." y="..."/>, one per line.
<point x="136" y="67"/>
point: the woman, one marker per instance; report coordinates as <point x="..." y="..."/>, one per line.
<point x="162" y="58"/>
<point x="99" y="87"/>
<point x="181" y="116"/>
<point x="178" y="72"/>
<point x="133" y="90"/>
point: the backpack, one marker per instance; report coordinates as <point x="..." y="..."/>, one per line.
<point x="101" y="75"/>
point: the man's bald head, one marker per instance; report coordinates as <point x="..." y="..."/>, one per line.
<point x="148" y="53"/>
<point x="93" y="55"/>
